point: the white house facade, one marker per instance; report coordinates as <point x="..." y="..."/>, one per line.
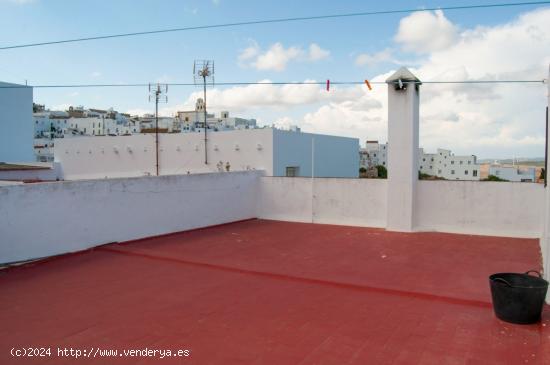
<point x="443" y="163"/>
<point x="277" y="152"/>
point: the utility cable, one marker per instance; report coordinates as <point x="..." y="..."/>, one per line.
<point x="272" y="21"/>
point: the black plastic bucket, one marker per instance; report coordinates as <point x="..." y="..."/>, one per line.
<point x="518" y="298"/>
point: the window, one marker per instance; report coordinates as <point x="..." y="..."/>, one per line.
<point x="439" y="171"/>
<point x="423" y="159"/>
<point x="465" y="172"/>
<point x="469" y="162"/>
<point x="452" y="172"/>
<point x="497" y="173"/>
<point x="452" y="162"/>
<point x="420" y="167"/>
<point x="432" y="159"/>
<point x="430" y="167"/>
<point x="292" y="171"/>
<point x="461" y="162"/>
<point x="474" y="172"/>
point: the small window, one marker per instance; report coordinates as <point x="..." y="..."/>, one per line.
<point x="474" y="172"/>
<point x="461" y="162"/>
<point x="452" y="162"/>
<point x="423" y="159"/>
<point x="452" y="172"/>
<point x="292" y="171"/>
<point x="469" y="162"/>
<point x="465" y="172"/>
<point x="439" y="171"/>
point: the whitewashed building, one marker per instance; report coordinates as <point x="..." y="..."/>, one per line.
<point x="442" y="164"/>
<point x="514" y="173"/>
<point x="278" y="153"/>
<point x="193" y="120"/>
<point x="445" y="164"/>
<point x="50" y="125"/>
<point x="373" y="154"/>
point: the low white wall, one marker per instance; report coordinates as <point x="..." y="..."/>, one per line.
<point x="469" y="207"/>
<point x="485" y="208"/>
<point x="46" y="219"/>
<point x="181" y="153"/>
<point x="357" y="202"/>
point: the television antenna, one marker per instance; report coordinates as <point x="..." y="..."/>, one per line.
<point x="157" y="93"/>
<point x="203" y="73"/>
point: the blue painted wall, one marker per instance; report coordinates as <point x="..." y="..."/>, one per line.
<point x="334" y="156"/>
<point x="16" y="133"/>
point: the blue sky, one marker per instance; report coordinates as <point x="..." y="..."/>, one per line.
<point x="338" y="49"/>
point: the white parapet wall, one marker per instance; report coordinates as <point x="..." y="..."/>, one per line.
<point x="466" y="207"/>
<point x="46" y="219"/>
<point x="485" y="208"/>
<point x="357" y="202"/>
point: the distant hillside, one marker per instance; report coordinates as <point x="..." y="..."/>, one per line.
<point x="534" y="161"/>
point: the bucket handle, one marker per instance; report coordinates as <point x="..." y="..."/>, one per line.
<point x="502" y="281"/>
<point x="535" y="271"/>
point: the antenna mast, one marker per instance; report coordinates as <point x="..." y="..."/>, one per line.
<point x="203" y="72"/>
<point x="158" y="94"/>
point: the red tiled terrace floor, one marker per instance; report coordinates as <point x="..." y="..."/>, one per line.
<point x="269" y="292"/>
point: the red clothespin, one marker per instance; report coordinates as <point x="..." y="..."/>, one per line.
<point x="328" y="85"/>
<point x="368" y="84"/>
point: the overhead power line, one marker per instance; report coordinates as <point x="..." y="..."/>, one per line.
<point x="275" y="83"/>
<point x="270" y="21"/>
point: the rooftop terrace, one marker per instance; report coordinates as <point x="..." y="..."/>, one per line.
<point x="272" y="292"/>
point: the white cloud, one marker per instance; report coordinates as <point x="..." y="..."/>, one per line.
<point x="488" y="120"/>
<point x="375" y="58"/>
<point x="277" y="56"/>
<point x="260" y="98"/>
<point x="316" y="53"/>
<point x="425" y="31"/>
<point x="141" y="112"/>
